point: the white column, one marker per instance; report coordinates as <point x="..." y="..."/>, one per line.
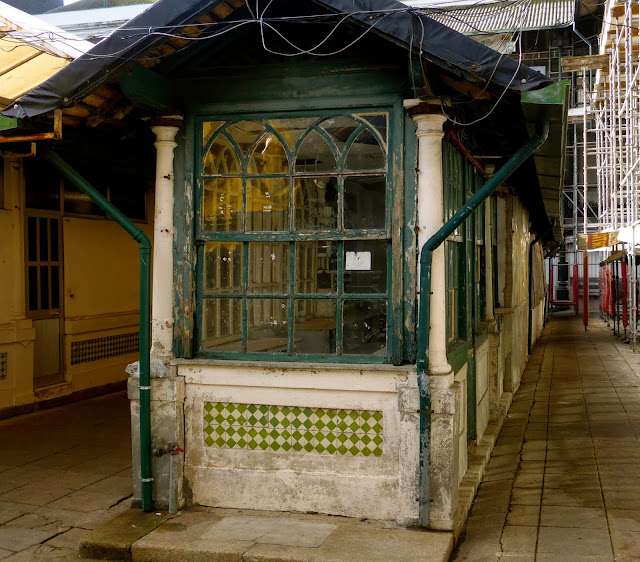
<point x="430" y="219"/>
<point x="162" y="300"/>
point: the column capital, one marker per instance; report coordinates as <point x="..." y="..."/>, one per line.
<point x="166" y="128"/>
<point x="429" y="124"/>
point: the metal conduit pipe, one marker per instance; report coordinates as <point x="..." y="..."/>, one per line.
<point x="145" y="312"/>
<point x="510" y="166"/>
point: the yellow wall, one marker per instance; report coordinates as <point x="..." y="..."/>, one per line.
<point x="101" y="296"/>
<point x="101" y="268"/>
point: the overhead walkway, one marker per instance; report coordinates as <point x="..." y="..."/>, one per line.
<point x="563" y="482"/>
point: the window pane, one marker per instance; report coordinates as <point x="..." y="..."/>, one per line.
<point x="223" y="267"/>
<point x="365" y="266"/>
<point x="340" y="128"/>
<point x="268" y="204"/>
<point x="44" y="239"/>
<point x="364" y="202"/>
<point x="245" y="133"/>
<point x="78" y="202"/>
<point x="222" y="205"/>
<point x="268" y="268"/>
<point x="222" y="322"/>
<point x="365" y="153"/>
<point x="53" y="224"/>
<point x="32" y="236"/>
<point x="316" y="267"/>
<point x="292" y="129"/>
<point x="222" y="158"/>
<point x="315" y="326"/>
<point x="315" y="155"/>
<point x="268" y="157"/>
<point x="55" y="287"/>
<point x="33" y="287"/>
<point x="208" y="129"/>
<point x="316" y="201"/>
<point x="378" y="121"/>
<point x="267" y="327"/>
<point x="44" y="287"/>
<point x="364" y="327"/>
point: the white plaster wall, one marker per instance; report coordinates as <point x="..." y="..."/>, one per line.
<point x="482" y="389"/>
<point x="380" y="487"/>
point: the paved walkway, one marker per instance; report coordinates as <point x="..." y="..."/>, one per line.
<point x="563" y="482"/>
<point x="63" y="472"/>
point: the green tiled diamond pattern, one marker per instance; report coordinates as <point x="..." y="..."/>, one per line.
<point x="292" y="428"/>
<point x="3" y="365"/>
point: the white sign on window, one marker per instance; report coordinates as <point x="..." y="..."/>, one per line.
<point x="358" y="261"/>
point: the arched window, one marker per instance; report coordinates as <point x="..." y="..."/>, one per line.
<point x="294" y="237"/>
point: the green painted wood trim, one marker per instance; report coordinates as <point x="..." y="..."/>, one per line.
<point x="410" y="239"/>
<point x="147" y="89"/>
<point x="394" y="230"/>
<point x="7" y="123"/>
<point x="457" y="355"/>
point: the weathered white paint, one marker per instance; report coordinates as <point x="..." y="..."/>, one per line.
<point x="381" y="487"/>
<point x="162" y="300"/>
<point x="430" y="220"/>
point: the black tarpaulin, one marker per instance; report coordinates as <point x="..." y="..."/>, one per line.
<point x="391" y="19"/>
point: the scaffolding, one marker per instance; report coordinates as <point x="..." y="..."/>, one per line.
<point x="615" y="106"/>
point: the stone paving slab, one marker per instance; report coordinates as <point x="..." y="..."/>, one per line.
<point x="568" y="457"/>
<point x="51" y="491"/>
<point x="210" y="534"/>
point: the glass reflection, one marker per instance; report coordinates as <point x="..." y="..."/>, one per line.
<point x="316" y="203"/>
<point x="315" y="326"/>
<point x="222" y="158"/>
<point x="364" y="329"/>
<point x="268" y="157"/>
<point x="364" y="201"/>
<point x="379" y="121"/>
<point x="316" y="267"/>
<point x="315" y="155"/>
<point x="292" y="129"/>
<point x="208" y="130"/>
<point x="245" y="133"/>
<point x="223" y="267"/>
<point x="340" y="128"/>
<point x="268" y="268"/>
<point x="365" y="153"/>
<point x="268" y="204"/>
<point x="267" y="326"/>
<point x="222" y="324"/>
<point x="222" y="205"/>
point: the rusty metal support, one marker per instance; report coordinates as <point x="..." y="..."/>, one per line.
<point x="55" y="135"/>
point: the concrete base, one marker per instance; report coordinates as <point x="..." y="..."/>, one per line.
<point x="223" y="534"/>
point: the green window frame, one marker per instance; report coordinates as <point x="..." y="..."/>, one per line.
<point x="453" y="170"/>
<point x="295" y="259"/>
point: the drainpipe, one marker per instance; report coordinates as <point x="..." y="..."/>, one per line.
<point x="145" y="308"/>
<point x="542" y="131"/>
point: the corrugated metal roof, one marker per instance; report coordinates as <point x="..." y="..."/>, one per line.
<point x="30" y="52"/>
<point x="503" y="17"/>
